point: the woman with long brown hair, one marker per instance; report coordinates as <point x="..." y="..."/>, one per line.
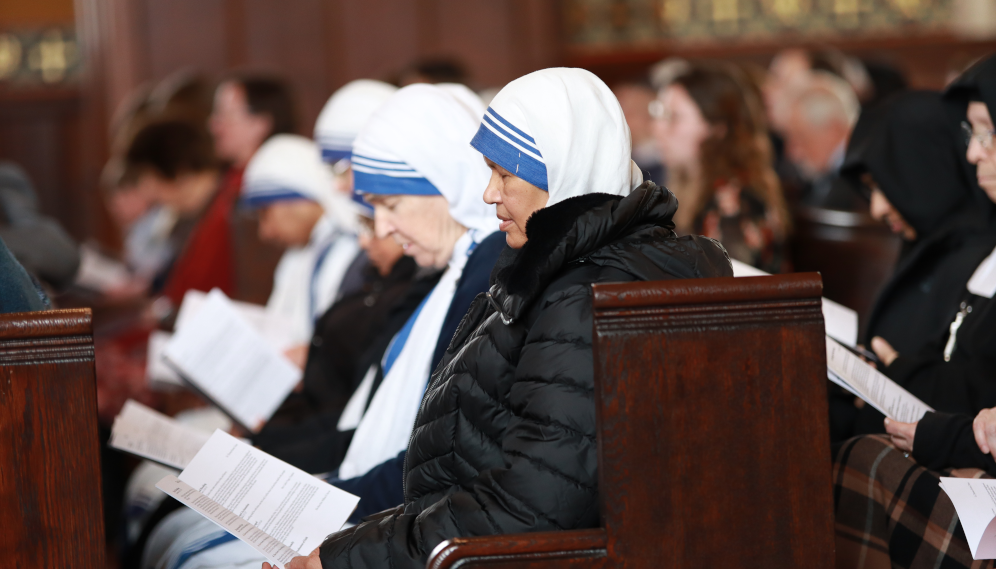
<point x="710" y="129"/>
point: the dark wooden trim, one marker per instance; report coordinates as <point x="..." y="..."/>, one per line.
<point x="46" y="324"/>
<point x="520" y="548"/>
<point x="697" y="291"/>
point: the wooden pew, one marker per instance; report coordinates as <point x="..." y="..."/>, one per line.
<point x="713" y="436"/>
<point x="855" y="254"/>
<point x="50" y="504"/>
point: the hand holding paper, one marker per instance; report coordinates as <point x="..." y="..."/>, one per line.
<point x="279" y="510"/>
<point x="852" y="373"/>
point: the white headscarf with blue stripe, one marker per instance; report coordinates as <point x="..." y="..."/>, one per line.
<point x="416" y="144"/>
<point x="345" y="113"/>
<point x="307" y="279"/>
<point x="563" y="131"/>
<point x="287" y="167"/>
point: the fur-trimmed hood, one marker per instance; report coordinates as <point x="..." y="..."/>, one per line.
<point x="634" y="234"/>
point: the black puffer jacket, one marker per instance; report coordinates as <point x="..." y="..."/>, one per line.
<point x="505" y="441"/>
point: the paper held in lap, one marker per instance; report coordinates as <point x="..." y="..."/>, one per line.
<point x="279" y="510"/>
<point x="226" y="360"/>
<point x="855" y="375"/>
<point x="975" y="501"/>
<point x="841" y="322"/>
<point x="152" y="435"/>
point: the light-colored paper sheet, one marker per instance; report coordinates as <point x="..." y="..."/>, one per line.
<point x="872" y="385"/>
<point x="279" y="510"/>
<point x="223" y="357"/>
<point x="99" y="272"/>
<point x="157" y="373"/>
<point x="840" y="321"/>
<point x="975" y="501"/>
<point x="275" y="329"/>
<point x="152" y="435"/>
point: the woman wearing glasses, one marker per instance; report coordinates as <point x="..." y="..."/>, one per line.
<point x="709" y="126"/>
<point x="890" y="511"/>
<point x="907" y="157"/>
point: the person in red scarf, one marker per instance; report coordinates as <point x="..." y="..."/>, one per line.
<point x="248" y="110"/>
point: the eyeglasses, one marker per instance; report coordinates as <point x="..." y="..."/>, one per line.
<point x="985" y="138"/>
<point x="659" y="112"/>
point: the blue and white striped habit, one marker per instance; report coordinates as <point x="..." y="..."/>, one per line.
<point x="563" y="131"/>
<point x="510" y="147"/>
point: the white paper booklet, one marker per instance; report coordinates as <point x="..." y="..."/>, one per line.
<point x="279" y="510"/>
<point x="99" y="272"/>
<point x="157" y="372"/>
<point x="841" y="322"/>
<point x="854" y="374"/>
<point x="975" y="501"/>
<point x="225" y="359"/>
<point x="152" y="435"/>
<point x="276" y="329"/>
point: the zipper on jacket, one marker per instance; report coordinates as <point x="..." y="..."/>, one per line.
<point x="949" y="348"/>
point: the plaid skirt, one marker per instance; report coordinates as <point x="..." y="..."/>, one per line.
<point x="891" y="512"/>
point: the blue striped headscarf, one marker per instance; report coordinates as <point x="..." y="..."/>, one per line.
<point x="416" y="144"/>
<point x="563" y="131"/>
<point x="345" y="113"/>
<point x="289" y="167"/>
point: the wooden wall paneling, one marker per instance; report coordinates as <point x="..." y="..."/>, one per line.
<point x="537" y="35"/>
<point x="382" y="35"/>
<point x="42" y="131"/>
<point x="291" y="44"/>
<point x="111" y="35"/>
<point x="186" y="33"/>
<point x="480" y="33"/>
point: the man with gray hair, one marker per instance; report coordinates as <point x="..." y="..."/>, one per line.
<point x="821" y="114"/>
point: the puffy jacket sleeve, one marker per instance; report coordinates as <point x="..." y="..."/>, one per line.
<point x="548" y="479"/>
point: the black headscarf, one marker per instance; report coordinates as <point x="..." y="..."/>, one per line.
<point x="909" y="145"/>
<point x="977" y="83"/>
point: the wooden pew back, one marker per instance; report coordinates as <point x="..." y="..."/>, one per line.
<point x="50" y="499"/>
<point x="854" y="253"/>
<point x="713" y="435"/>
<point x="714" y="444"/>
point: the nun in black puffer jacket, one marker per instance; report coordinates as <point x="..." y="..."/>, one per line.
<point x="505" y="439"/>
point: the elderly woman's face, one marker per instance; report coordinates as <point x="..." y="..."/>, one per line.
<point x="421" y="224"/>
<point x="981" y="149"/>
<point x="515" y="201"/>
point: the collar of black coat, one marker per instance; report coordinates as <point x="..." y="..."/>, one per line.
<point x="573" y="231"/>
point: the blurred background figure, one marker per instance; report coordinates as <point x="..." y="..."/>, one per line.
<point x="37" y="241"/>
<point x="820" y="114"/>
<point x="718" y="158"/>
<point x="434" y="70"/>
<point x="300" y="209"/>
<point x="635" y="99"/>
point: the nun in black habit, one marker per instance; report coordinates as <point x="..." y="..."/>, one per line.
<point x="954" y="368"/>
<point x="909" y="150"/>
<point x="889" y="509"/>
